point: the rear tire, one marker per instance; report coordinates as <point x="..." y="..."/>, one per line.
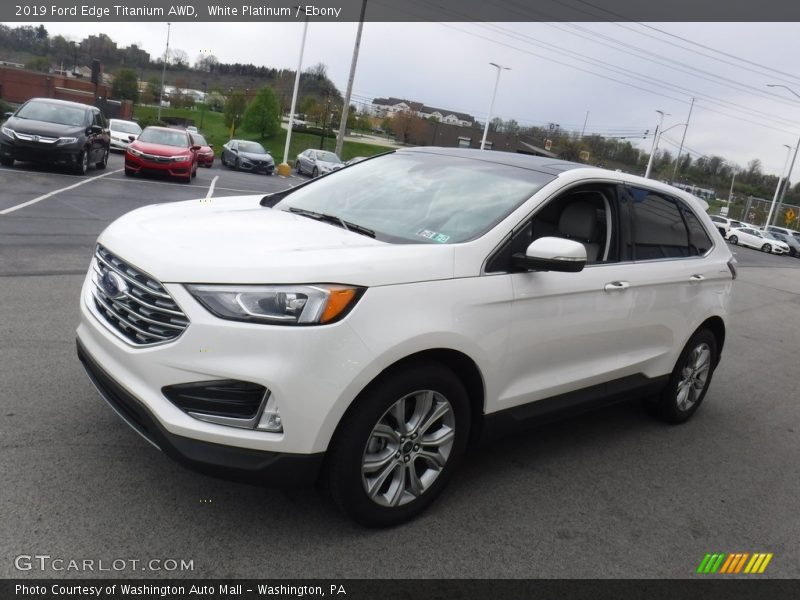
<point x="689" y="380"/>
<point x="315" y="172"/>
<point x="396" y="449"/>
<point x="297" y="168"/>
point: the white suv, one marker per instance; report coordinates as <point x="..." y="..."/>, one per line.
<point x="365" y="327"/>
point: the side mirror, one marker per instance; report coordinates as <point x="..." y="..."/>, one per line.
<point x="552" y="254"/>
<point x="132" y="138"/>
<point x="95" y="129"/>
<point x="195" y="148"/>
<point x="8" y="115"/>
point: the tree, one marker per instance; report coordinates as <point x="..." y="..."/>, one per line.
<point x="126" y="85"/>
<point x="234" y="108"/>
<point x="39" y="63"/>
<point x="263" y="114"/>
<point x="179" y="59"/>
<point x="153" y="90"/>
<point x="206" y="62"/>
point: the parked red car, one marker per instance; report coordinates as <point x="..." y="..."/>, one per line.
<point x="162" y="151"/>
<point x="205" y="155"/>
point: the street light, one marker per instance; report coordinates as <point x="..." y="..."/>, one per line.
<point x="491" y="104"/>
<point x="284" y="168"/>
<point x="791" y="167"/>
<point x="163" y="73"/>
<point x="778" y="188"/>
<point x="655" y="142"/>
<point x="203" y="105"/>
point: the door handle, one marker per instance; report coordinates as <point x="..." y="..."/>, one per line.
<point x="617" y="285"/>
<point x="696" y="278"/>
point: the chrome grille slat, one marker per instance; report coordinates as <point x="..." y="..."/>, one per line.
<point x="172" y="311"/>
<point x="145" y="313"/>
<point x="129" y="279"/>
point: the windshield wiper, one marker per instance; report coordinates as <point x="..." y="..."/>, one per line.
<point x="333" y="219"/>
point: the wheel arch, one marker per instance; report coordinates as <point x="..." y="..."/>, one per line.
<point x="717" y="327"/>
<point x="461" y="365"/>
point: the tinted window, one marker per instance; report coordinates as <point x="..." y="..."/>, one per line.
<point x="717" y="219"/>
<point x="53" y="113"/>
<point x="699" y="242"/>
<point x="659" y="230"/>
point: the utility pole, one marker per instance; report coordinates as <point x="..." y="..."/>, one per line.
<point x="346" y="107"/>
<point x="491" y="104"/>
<point x="788" y="180"/>
<point x="586" y="120"/>
<point x="325" y="122"/>
<point x="655" y="144"/>
<point x="730" y="194"/>
<point x="163" y="73"/>
<point x="680" y="150"/>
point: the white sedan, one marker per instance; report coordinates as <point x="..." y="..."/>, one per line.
<point x="121" y="133"/>
<point x="747" y="236"/>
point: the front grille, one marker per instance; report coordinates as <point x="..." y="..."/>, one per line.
<point x="155" y="158"/>
<point x="141" y="311"/>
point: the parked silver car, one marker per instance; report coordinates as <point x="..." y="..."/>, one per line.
<point x="317" y="162"/>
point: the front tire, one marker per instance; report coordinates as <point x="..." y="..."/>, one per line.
<point x="297" y="168"/>
<point x="690" y="379"/>
<point x="83" y="162"/>
<point x="395" y="451"/>
<point x="103" y="163"/>
<point x="766" y="248"/>
<point x="733" y="240"/>
<point x="315" y="173"/>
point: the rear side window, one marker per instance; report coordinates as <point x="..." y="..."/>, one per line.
<point x="699" y="242"/>
<point x="659" y="230"/>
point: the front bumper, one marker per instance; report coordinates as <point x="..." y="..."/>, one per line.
<point x="228" y="462"/>
<point x="134" y="164"/>
<point x="266" y="168"/>
<point x="62" y="154"/>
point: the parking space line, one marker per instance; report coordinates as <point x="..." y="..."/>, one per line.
<point x="183" y="185"/>
<point x="211" y="187"/>
<point x="54" y="192"/>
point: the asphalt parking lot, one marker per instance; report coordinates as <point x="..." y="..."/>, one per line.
<point x="612" y="493"/>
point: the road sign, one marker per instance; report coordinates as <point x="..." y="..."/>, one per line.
<point x="790" y="215"/>
<point x="584" y="155"/>
<point x="548" y="144"/>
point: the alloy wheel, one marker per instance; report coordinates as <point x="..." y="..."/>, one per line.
<point x="408" y="448"/>
<point x="694" y="376"/>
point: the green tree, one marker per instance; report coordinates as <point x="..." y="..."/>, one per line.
<point x="39" y="63"/>
<point x="263" y="114"/>
<point x="126" y="85"/>
<point x="153" y="90"/>
<point x="234" y="108"/>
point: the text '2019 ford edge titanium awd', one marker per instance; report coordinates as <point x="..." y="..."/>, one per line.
<point x="363" y="327"/>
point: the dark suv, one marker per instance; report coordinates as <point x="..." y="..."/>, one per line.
<point x="56" y="132"/>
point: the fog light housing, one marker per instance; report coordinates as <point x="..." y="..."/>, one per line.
<point x="225" y="402"/>
<point x="271" y="417"/>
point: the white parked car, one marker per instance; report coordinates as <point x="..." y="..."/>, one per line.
<point x="724" y="224"/>
<point x="384" y="316"/>
<point x="121" y="133"/>
<point x="317" y="162"/>
<point x="753" y="238"/>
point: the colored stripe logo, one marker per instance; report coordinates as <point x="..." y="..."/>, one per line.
<point x="735" y="563"/>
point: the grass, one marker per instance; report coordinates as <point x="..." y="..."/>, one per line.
<point x="217" y="133"/>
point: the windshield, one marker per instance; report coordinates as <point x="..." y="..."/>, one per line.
<point x="53" y="113"/>
<point x="165" y="137"/>
<point x="420" y="198"/>
<point x="328" y="157"/>
<point x="252" y="147"/>
<point x="124" y="127"/>
<point x="199" y="139"/>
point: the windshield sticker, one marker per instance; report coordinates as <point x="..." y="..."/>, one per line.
<point x="433" y="236"/>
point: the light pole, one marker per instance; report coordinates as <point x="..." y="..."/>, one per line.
<point x="655" y="142"/>
<point x="796" y="148"/>
<point x="203" y="105"/>
<point x="683" y="139"/>
<point x="778" y="188"/>
<point x="491" y="104"/>
<point x="346" y="106"/>
<point x="163" y="73"/>
<point x="284" y="168"/>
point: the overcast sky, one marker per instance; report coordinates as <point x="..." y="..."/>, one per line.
<point x="446" y="65"/>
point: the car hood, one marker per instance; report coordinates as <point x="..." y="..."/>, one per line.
<point x="43" y="128"/>
<point x="323" y="164"/>
<point x="122" y="134"/>
<point x="256" y="156"/>
<point x="158" y="149"/>
<point x="234" y="240"/>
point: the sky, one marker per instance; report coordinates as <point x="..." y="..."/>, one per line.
<point x="620" y="73"/>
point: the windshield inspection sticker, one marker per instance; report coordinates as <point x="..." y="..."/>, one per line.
<point x="433" y="236"/>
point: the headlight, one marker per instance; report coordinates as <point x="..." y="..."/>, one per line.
<point x="67" y="140"/>
<point x="134" y="151"/>
<point x="9" y="132"/>
<point x="278" y="304"/>
<point x="181" y="158"/>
